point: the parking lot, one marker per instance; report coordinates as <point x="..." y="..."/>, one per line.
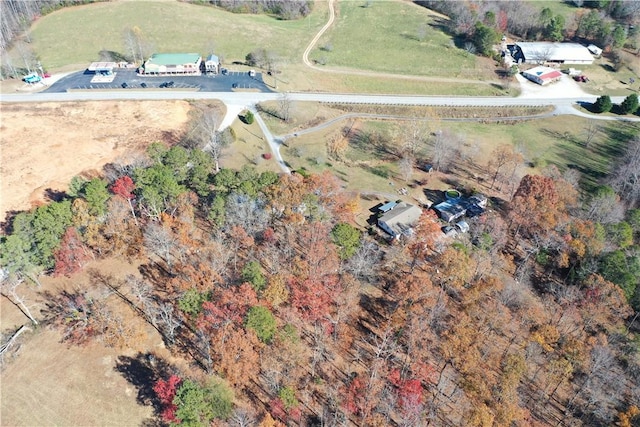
<point x="126" y="79"/>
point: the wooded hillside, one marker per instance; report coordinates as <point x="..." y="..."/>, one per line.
<point x="284" y="312"/>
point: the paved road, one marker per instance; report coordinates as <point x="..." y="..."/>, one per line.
<point x="248" y="98"/>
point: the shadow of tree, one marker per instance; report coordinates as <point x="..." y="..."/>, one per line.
<point x="54" y="195"/>
<point x="143" y="371"/>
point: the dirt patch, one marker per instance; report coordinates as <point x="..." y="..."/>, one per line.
<point x="49" y="382"/>
<point x="44" y="145"/>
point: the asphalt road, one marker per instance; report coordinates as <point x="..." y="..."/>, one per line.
<point x="205" y="83"/>
<point x="240" y="98"/>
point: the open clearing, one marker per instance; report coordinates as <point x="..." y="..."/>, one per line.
<point x="53" y="383"/>
<point x="44" y="145"/>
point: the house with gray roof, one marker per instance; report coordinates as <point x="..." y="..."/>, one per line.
<point x="400" y="219"/>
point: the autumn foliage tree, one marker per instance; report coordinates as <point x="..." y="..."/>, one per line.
<point x="72" y="254"/>
<point x="166" y="392"/>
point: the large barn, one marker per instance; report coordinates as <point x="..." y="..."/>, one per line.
<point x="559" y="53"/>
<point x="172" y="63"/>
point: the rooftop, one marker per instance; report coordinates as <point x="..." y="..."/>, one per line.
<point x="544" y="73"/>
<point x="173" y="58"/>
<point x="551" y="51"/>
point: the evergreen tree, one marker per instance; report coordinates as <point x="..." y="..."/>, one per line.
<point x="603" y="104"/>
<point x="263" y="323"/>
<point x="96" y="194"/>
<point x="630" y="104"/>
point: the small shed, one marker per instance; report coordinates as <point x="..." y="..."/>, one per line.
<point x="212" y="64"/>
<point x="595" y="50"/>
<point x="387" y="207"/>
<point x="542" y="75"/>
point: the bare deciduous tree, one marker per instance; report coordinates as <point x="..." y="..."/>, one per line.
<point x="626" y="174"/>
<point x="590" y="130"/>
<point x="9" y="288"/>
<point x="136" y="44"/>
<point x="284" y="107"/>
<point x="445" y="145"/>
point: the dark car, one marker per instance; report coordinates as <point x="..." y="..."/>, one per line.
<point x="169" y="84"/>
<point x="235" y="85"/>
<point x="124" y="85"/>
<point x="143" y="85"/>
<point x="164" y="84"/>
<point x="224" y="71"/>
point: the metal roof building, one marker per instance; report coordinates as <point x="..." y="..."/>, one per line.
<point x="542" y="75"/>
<point x="560" y="53"/>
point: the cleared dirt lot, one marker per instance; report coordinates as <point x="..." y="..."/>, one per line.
<point x="43" y="146"/>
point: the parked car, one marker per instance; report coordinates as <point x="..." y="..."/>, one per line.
<point x="124" y="85"/>
<point x="164" y="84"/>
<point x="224" y="71"/>
<point x="169" y="84"/>
<point x="235" y="85"/>
<point x="449" y="231"/>
<point x="252" y="73"/>
<point x="32" y="78"/>
<point x="462" y="226"/>
<point x="143" y="85"/>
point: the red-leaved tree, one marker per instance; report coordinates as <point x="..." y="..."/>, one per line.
<point x="166" y="392"/>
<point x="72" y="254"/>
<point x="124" y="187"/>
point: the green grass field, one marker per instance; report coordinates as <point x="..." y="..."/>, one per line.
<point x="75" y="36"/>
<point x="385" y="37"/>
<point x="180" y="27"/>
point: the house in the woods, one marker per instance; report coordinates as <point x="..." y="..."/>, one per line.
<point x="399" y="219"/>
<point x="172" y="63"/>
<point x="550" y="52"/>
<point x="455" y="208"/>
<point x="542" y="75"/>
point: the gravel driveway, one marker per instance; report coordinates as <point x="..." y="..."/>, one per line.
<point x="566" y="87"/>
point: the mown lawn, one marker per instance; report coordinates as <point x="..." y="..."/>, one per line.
<point x="76" y="35"/>
<point x="386" y="37"/>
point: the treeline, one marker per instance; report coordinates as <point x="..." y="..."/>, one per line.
<point x="17" y="16"/>
<point x="283" y="9"/>
<point x="262" y="283"/>
<point x="609" y="24"/>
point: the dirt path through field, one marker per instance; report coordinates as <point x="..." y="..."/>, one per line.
<point x="43" y="146"/>
<point x="332" y="16"/>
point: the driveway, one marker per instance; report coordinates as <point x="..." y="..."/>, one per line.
<point x="566" y="87"/>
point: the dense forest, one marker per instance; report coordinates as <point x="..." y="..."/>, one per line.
<point x="287" y="313"/>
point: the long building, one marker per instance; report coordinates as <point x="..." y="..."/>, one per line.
<point x="173" y="63"/>
<point x="549" y="52"/>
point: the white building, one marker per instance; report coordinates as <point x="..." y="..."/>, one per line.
<point x="550" y="52"/>
<point x="212" y="64"/>
<point x="542" y="75"/>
